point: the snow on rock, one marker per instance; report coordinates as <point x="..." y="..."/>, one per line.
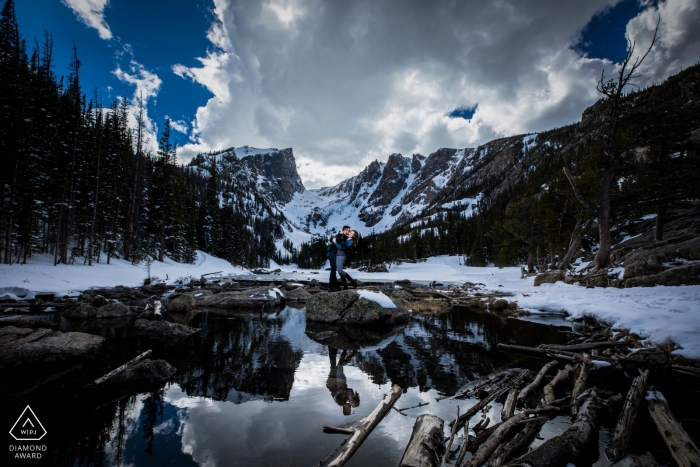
<point x="378" y="297"/>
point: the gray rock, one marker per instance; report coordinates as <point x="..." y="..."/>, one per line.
<point x="113" y="310"/>
<point x="163" y="329"/>
<point x="549" y="277"/>
<point x="144" y="372"/>
<point x="20" y="346"/>
<point x="328" y="307"/>
<point x="688" y="274"/>
<point x="184" y="302"/>
<point x="347" y="307"/>
<point x="82" y="310"/>
<point x="98" y="301"/>
<point x="299" y="294"/>
<point x="256" y="298"/>
<point x="365" y="311"/>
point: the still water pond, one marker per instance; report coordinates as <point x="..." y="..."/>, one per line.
<point x="254" y="389"/>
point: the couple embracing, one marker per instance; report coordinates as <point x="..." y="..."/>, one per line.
<point x="340" y="244"/>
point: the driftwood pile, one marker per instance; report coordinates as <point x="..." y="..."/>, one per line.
<point x="562" y="387"/>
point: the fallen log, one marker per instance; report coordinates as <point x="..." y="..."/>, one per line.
<point x="586" y="346"/>
<point x="367" y="425"/>
<point x="128" y="364"/>
<point x="453" y="431"/>
<point x="682" y="448"/>
<point x="463" y="448"/>
<point x="549" y="389"/>
<point x="338" y="430"/>
<point x="569" y="445"/>
<point x="425" y="447"/>
<point x="536" y="382"/>
<point x="509" y="405"/>
<point x="490" y="445"/>
<point x="518" y="444"/>
<point x="580" y="383"/>
<point x="623" y="430"/>
<point x="521" y="348"/>
<point x="485" y="401"/>
<point x="503" y="430"/>
<point x="552" y="353"/>
<point x="645" y="460"/>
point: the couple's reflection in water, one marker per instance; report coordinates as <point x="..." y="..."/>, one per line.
<point x="337" y="384"/>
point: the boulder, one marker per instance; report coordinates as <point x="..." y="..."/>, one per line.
<point x="328" y="307"/>
<point x="163" y="329"/>
<point x="98" y="301"/>
<point x="299" y="294"/>
<point x="113" y="310"/>
<point x="549" y="277"/>
<point x="365" y="311"/>
<point x="20" y="346"/>
<point x="687" y="274"/>
<point x="83" y="310"/>
<point x="184" y="302"/>
<point x="348" y="307"/>
<point x="257" y="298"/>
<point x="144" y="372"/>
<point x="26" y="322"/>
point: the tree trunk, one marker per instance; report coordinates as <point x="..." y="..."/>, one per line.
<point x="562" y="375"/>
<point x="574" y="245"/>
<point x="660" y="221"/>
<point x="570" y="445"/>
<point x="623" y="430"/>
<point x="425" y="447"/>
<point x="538" y="379"/>
<point x="602" y="257"/>
<point x="531" y="247"/>
<point x="682" y="448"/>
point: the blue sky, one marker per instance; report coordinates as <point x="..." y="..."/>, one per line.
<point x="344" y="83"/>
<point x="155" y="34"/>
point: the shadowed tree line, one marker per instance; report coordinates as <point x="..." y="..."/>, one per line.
<point x="78" y="183"/>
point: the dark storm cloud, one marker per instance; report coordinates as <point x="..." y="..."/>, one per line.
<point x="346" y="82"/>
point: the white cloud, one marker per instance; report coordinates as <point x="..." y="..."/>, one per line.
<point x="679" y="38"/>
<point x="179" y="125"/>
<point x="146" y="86"/>
<point x="91" y="12"/>
<point x="346" y="82"/>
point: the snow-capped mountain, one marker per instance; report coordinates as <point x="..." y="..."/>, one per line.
<point x="383" y="195"/>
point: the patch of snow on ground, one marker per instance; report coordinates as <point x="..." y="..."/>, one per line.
<point x="662" y="314"/>
<point x="42" y="276"/>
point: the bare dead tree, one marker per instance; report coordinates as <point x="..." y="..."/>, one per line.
<point x="613" y="92"/>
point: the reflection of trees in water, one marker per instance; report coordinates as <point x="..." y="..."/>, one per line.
<point x="446" y="351"/>
<point x="240" y="353"/>
<point x="151" y="413"/>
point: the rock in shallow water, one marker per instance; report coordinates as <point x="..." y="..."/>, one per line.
<point x="143" y="372"/>
<point x="82" y="310"/>
<point x="20" y="346"/>
<point x="348" y="307"/>
<point x="163" y="329"/>
<point x="257" y="298"/>
<point x="113" y="310"/>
